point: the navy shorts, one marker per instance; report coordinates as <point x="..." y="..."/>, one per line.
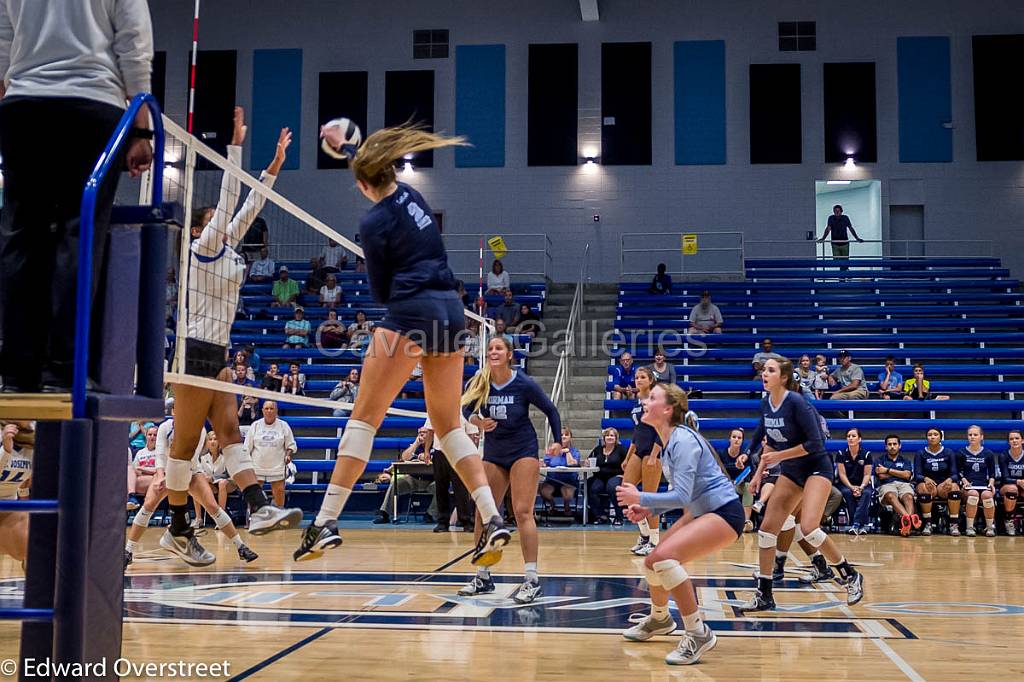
<point x="506" y="461"/>
<point x="204" y="359"/>
<point x="434" y="320"/>
<point x="732" y="512"/>
<point x="799" y="469"/>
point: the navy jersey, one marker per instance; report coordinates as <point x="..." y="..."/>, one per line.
<point x="937" y="466"/>
<point x="645" y="437"/>
<point x="729" y="462"/>
<point x="403" y="248"/>
<point x="977" y="468"/>
<point x="509" y="405"/>
<point x="794" y="423"/>
<point x="853" y="465"/>
<point x="901" y="463"/>
<point x="1011" y="470"/>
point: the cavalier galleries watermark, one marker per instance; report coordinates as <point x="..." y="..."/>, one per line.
<point x="45" y="668"/>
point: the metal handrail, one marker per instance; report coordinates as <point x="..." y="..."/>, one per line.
<point x="482" y="237"/>
<point x="813" y="248"/>
<point x="83" y="317"/>
<point x="676" y="251"/>
<point x="563" y="372"/>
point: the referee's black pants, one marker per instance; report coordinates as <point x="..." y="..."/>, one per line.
<point x="445" y="474"/>
<point x="50" y="146"/>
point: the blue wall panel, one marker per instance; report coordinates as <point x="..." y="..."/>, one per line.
<point x="699" y="77"/>
<point x="480" y="105"/>
<point x="276" y="104"/>
<point x="925" y="102"/>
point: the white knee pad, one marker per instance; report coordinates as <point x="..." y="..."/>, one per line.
<point x="236" y="459"/>
<point x="767" y="540"/>
<point x="671" y="573"/>
<point x="357" y="441"/>
<point x="142" y="518"/>
<point x="456" y="446"/>
<point x="972" y="498"/>
<point x="790" y="523"/>
<point x="653" y="580"/>
<point x="988" y="503"/>
<point x="816" y="537"/>
<point x="222" y="519"/>
<point x="179" y="474"/>
<point x="798" y="534"/>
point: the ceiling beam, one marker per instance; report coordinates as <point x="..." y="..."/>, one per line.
<point x="589" y="10"/>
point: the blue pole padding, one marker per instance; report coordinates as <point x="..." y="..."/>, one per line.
<point x="75" y="482"/>
<point x="151" y="312"/>
<point x="83" y="302"/>
<point x="30" y="506"/>
<point x="27" y="615"/>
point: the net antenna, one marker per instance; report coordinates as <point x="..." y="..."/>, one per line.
<point x="191" y="179"/>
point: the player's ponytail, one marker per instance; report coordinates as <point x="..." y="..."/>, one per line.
<point x="374" y="163"/>
<point x="790" y="378"/>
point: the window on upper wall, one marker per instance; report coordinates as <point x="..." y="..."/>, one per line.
<point x="430" y="44"/>
<point x="797" y="36"/>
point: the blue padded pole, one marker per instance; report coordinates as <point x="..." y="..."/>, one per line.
<point x="72" y="540"/>
<point x="150" y="349"/>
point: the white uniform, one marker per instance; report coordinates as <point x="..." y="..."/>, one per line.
<point x="268" y="445"/>
<point x="164" y="438"/>
<point x="216" y="271"/>
<point x="16" y="469"/>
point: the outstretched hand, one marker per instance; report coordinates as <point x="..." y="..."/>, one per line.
<point x="283" y="140"/>
<point x="239" y="129"/>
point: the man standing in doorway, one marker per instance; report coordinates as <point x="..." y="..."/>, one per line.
<point x="838" y="224"/>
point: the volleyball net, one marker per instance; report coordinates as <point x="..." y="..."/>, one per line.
<point x="302" y="318"/>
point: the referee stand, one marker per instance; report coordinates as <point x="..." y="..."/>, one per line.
<point x="74" y="577"/>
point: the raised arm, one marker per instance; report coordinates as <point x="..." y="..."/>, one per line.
<point x="214" y="234"/>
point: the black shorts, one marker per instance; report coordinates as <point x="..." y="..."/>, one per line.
<point x="506" y="461"/>
<point x="733" y="514"/>
<point x="204" y="359"/>
<point x="799" y="469"/>
<point x="770" y="478"/>
<point x="434" y="320"/>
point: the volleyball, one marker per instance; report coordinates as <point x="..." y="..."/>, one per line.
<point x="351" y="138"/>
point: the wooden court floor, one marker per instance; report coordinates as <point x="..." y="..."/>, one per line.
<point x="383" y="607"/>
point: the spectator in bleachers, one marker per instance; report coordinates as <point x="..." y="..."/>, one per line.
<point x="919" y="388"/>
<point x="253" y="359"/>
<point x="271" y="444"/>
<point x="501" y="329"/>
<point x="333" y="258"/>
<point x="1011" y="471"/>
<point x="736" y="460"/>
<point x="624" y="378"/>
<point x="471" y="342"/>
<point x="804" y="373"/>
<point x="242" y="358"/>
<point x="849" y="378"/>
<point x="316" y="279"/>
<point x="890" y="382"/>
<point x="977" y="466"/>
<point x="285" y="291"/>
<point x="565" y="482"/>
<point x="141" y="468"/>
<point x="664" y="373"/>
<point x="894" y="472"/>
<point x="853" y="469"/>
<point x="505" y="311"/>
<point x="331" y="332"/>
<point x="526" y="322"/>
<point x="705" y="318"/>
<point x="838" y="224"/>
<point x="248" y="410"/>
<point x="936" y="475"/>
<point x="819" y="383"/>
<point x="345" y="391"/>
<point x="137" y="434"/>
<point x="171" y="294"/>
<point x="296" y="330"/>
<point x="256" y="239"/>
<point x="360" y="261"/>
<point x="294" y="382"/>
<point x="272" y="379"/>
<point x="609" y="455"/>
<point x="241" y="377"/>
<point x="262" y="270"/>
<point x="662" y="283"/>
<point x="498" y="281"/>
<point x="330" y="293"/>
<point x="416" y="381"/>
<point x="762" y="356"/>
<point x="408" y="483"/>
<point x="445" y="476"/>
<point x="360" y="331"/>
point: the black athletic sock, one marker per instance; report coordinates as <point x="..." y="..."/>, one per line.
<point x="255" y="497"/>
<point x="820" y="563"/>
<point x="179" y="520"/>
<point x="846" y="570"/>
<point x="764" y="586"/>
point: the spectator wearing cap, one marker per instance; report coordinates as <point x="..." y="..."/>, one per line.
<point x="705" y="318"/>
<point x="662" y="283"/>
<point x="296" y="331"/>
<point x="847" y="381"/>
<point x="262" y="270"/>
<point x="286" y="289"/>
<point x="445" y="476"/>
<point x="762" y="356"/>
